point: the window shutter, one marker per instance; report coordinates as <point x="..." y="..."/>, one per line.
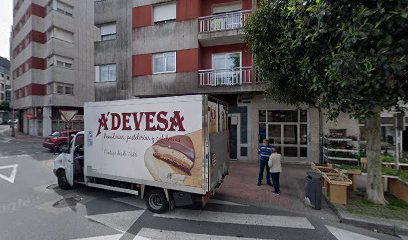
<point x="163" y="12"/>
<point x="237" y="6"/>
<point x="108" y="29"/>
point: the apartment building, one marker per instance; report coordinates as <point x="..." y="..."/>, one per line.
<point x="175" y="47"/>
<point x="51" y="61"/>
<point x="161" y="48"/>
<point x="5" y="87"/>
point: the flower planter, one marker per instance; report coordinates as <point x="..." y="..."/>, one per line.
<point x="337" y="188"/>
<point x="399" y="189"/>
<point x="352" y="174"/>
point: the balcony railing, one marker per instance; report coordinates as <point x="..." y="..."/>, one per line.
<point x="227" y="77"/>
<point x="220" y="22"/>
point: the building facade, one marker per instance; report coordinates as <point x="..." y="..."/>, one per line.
<point x="5" y="86"/>
<point x="156" y="48"/>
<point x="161" y="48"/>
<point x="51" y="61"/>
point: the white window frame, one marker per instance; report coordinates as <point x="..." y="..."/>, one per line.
<point x="60" y="61"/>
<point x="53" y="88"/>
<point x="164" y="56"/>
<point x="110" y="35"/>
<point x="158" y="9"/>
<point x="98" y="73"/>
<point x="225" y="53"/>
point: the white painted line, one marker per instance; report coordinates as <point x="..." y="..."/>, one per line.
<point x="341" y="234"/>
<point x="239" y="218"/>
<point x="132" y="200"/>
<point x="120" y="221"/>
<point x="215" y="201"/>
<point x="12" y="174"/>
<point x="107" y="237"/>
<point x="156" y="234"/>
<point x="15" y="156"/>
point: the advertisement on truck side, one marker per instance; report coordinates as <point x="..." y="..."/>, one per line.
<point x="146" y="140"/>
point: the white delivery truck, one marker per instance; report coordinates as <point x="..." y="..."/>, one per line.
<point x="172" y="151"/>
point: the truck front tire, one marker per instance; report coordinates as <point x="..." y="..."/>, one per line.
<point x="156" y="201"/>
<point x="62" y="180"/>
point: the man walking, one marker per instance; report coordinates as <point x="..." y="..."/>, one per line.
<point x="264" y="152"/>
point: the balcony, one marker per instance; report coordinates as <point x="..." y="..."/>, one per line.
<point x="222" y="29"/>
<point x="227" y="77"/>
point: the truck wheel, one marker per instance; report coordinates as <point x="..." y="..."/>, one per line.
<point x="156" y="201"/>
<point x="62" y="180"/>
<point x="62" y="148"/>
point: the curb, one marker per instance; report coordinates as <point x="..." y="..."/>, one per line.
<point x="388" y="226"/>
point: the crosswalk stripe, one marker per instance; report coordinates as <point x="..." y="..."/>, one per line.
<point x="239" y="218"/>
<point x="155" y="234"/>
<point x="120" y="221"/>
<point x="341" y="234"/>
<point x="107" y="237"/>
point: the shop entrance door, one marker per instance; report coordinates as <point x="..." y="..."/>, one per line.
<point x="288" y="132"/>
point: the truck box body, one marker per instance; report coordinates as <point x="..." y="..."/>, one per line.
<point x="178" y="143"/>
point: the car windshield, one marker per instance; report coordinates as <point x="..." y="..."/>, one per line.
<point x="56" y="134"/>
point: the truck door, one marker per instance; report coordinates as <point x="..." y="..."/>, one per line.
<point x="69" y="163"/>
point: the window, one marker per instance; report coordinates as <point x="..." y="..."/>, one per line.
<point x="164" y="62"/>
<point x="64" y="8"/>
<point x="108" y="31"/>
<point x="55" y="60"/>
<point x="226" y="60"/>
<point x="60" y="34"/>
<point x="164" y="12"/>
<point x="105" y="73"/>
<point x="60" y="88"/>
<point x="225" y="8"/>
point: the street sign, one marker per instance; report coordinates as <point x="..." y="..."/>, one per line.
<point x="68" y="115"/>
<point x="29" y="116"/>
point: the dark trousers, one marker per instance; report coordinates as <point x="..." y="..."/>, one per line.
<point x="262" y="166"/>
<point x="275" y="180"/>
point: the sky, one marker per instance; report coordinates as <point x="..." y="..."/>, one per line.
<point x="6" y="20"/>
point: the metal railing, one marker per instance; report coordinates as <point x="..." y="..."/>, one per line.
<point x="227" y="77"/>
<point x="226" y="21"/>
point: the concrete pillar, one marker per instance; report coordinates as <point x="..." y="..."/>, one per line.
<point x="47" y="123"/>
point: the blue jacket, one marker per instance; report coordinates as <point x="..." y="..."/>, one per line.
<point x="264" y="152"/>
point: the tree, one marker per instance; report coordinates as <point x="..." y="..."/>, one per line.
<point x="5" y="106"/>
<point x="341" y="55"/>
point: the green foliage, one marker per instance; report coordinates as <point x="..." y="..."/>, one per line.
<point x="5" y="106"/>
<point x="403" y="175"/>
<point x="387" y="158"/>
<point x="345" y="56"/>
<point x="390" y="171"/>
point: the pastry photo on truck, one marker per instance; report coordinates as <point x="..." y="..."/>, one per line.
<point x="171" y="151"/>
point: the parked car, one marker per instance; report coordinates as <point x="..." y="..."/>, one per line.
<point x="58" y="140"/>
<point x="15" y="121"/>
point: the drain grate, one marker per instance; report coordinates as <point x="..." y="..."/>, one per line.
<point x="67" y="202"/>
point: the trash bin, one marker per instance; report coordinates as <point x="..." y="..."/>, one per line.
<point x="313" y="189"/>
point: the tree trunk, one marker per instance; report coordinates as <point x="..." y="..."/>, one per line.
<point x="375" y="188"/>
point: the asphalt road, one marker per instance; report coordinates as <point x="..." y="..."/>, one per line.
<point x="33" y="207"/>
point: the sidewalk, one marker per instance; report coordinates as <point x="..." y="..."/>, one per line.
<point x="6" y="132"/>
<point x="241" y="186"/>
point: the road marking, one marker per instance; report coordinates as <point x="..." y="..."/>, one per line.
<point x="216" y="201"/>
<point x="132" y="200"/>
<point x="12" y="174"/>
<point x="14" y="156"/>
<point x="107" y="237"/>
<point x="239" y="218"/>
<point x="156" y="234"/>
<point x="341" y="234"/>
<point x="120" y="221"/>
